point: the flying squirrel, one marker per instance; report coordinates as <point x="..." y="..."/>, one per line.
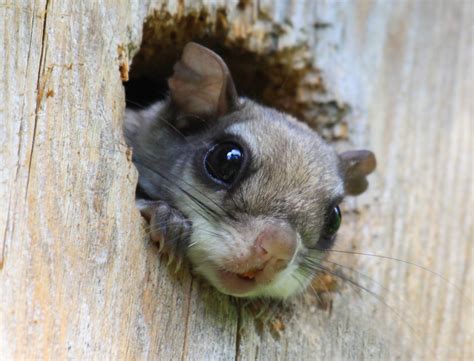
<point x="247" y="194"/>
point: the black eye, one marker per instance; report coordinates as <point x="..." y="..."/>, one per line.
<point x="224" y="161"/>
<point x="333" y="221"/>
<point x="332" y="224"/>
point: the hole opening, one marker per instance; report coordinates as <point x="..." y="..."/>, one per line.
<point x="283" y="79"/>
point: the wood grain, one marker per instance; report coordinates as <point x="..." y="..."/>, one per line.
<point x="78" y="277"/>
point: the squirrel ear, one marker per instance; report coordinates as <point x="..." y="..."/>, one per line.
<point x="356" y="165"/>
<point x="201" y="84"/>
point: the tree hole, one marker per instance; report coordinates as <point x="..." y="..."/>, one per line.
<point x="279" y="77"/>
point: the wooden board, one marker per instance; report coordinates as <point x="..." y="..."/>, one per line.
<point x="78" y="277"/>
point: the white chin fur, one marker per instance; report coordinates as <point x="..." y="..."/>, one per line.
<point x="282" y="287"/>
<point x="206" y="248"/>
<point x="203" y="245"/>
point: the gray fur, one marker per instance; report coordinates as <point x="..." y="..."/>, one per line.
<point x="292" y="178"/>
<point x="296" y="174"/>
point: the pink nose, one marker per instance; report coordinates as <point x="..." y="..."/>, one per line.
<point x="275" y="246"/>
<point x="276" y="242"/>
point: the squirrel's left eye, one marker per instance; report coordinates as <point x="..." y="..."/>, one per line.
<point x="331" y="226"/>
<point x="224" y="161"/>
<point x="333" y="221"/>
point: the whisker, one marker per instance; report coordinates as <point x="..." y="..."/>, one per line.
<point x="359" y="273"/>
<point x="158" y="227"/>
<point x="198" y="202"/>
<point x="315" y="266"/>
<point x="138" y="105"/>
<point x="188" y="194"/>
<point x="396" y="296"/>
<point x="298" y="280"/>
<point x="424" y="268"/>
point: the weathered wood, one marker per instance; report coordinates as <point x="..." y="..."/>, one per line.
<point x="78" y="277"/>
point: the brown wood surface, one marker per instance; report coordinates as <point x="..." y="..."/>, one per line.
<point x="80" y="280"/>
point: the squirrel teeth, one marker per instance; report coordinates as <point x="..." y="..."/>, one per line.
<point x="249" y="275"/>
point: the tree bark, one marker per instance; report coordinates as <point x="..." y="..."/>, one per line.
<point x="79" y="277"/>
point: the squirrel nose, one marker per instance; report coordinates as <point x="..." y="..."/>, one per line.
<point x="275" y="245"/>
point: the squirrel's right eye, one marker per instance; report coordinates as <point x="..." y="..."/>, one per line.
<point x="223" y="162"/>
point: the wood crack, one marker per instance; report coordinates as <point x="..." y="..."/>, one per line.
<point x="7" y="223"/>
<point x="237" y="339"/>
<point x="40" y="91"/>
<point x="186" y="324"/>
<point x="2" y="253"/>
<point x="24" y="89"/>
